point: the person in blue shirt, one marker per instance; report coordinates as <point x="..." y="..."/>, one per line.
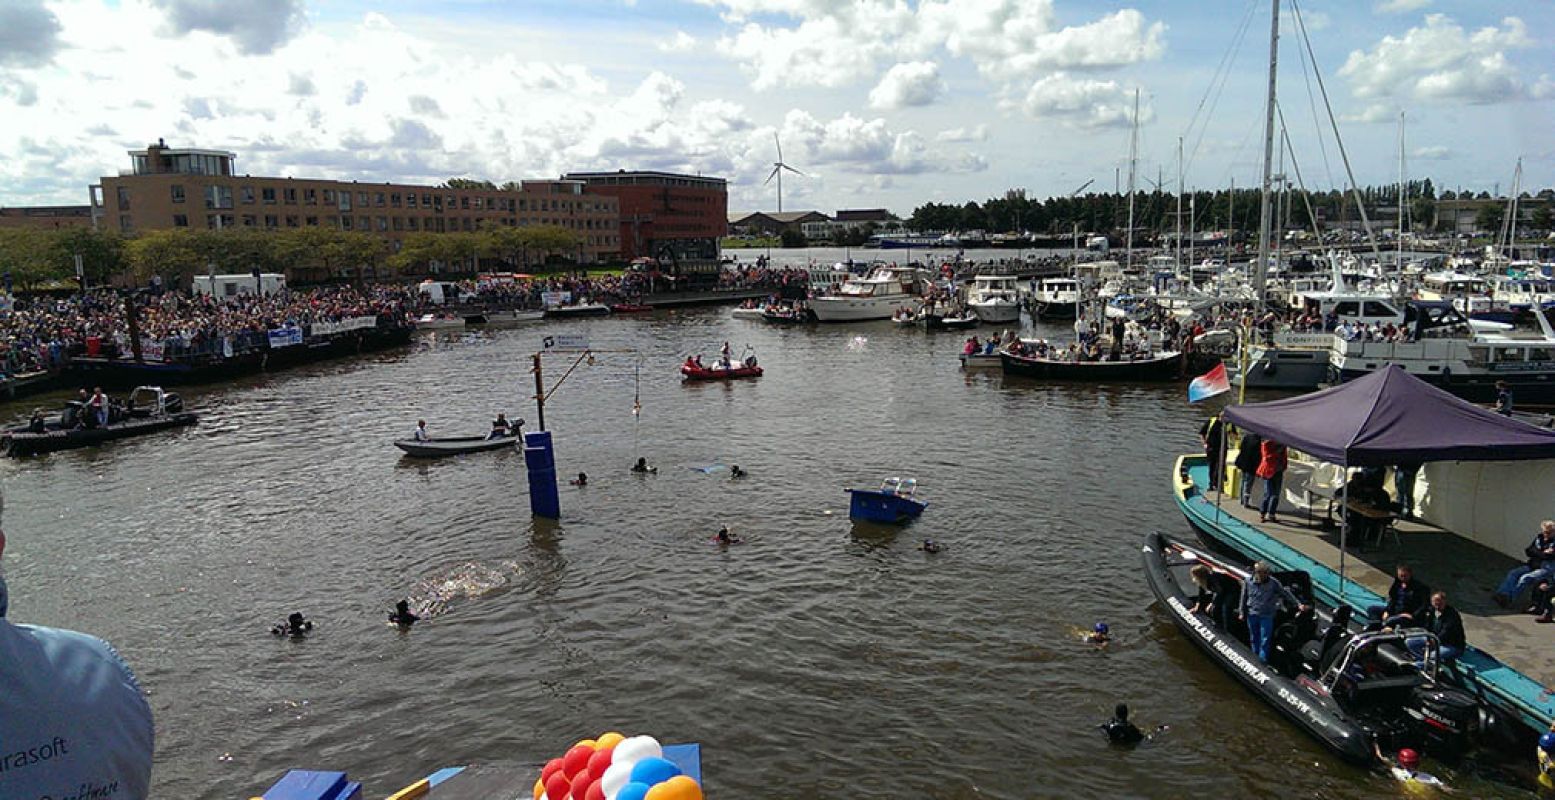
<point x="73" y="719"/>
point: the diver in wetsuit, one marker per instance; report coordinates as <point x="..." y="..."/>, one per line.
<point x="931" y="546"/>
<point x="736" y="472"/>
<point x="294" y="626"/>
<point x="1119" y="730"/>
<point x="642" y="466"/>
<point x="1101" y="634"/>
<point x="402" y="615"/>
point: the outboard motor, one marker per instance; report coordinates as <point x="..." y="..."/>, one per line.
<point x="72" y="415"/>
<point x="1448" y="719"/>
<point x="172" y="403"/>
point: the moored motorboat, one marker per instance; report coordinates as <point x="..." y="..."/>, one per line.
<point x="981" y="361"/>
<point x="1345" y="686"/>
<point x="1160" y="366"/>
<point x="433" y="322"/>
<point x="149" y="410"/>
<point x="454" y="445"/>
<point x="995" y="298"/>
<point x="955" y="321"/>
<point x="750" y="309"/>
<point x="577" y="310"/>
<point x="515" y="315"/>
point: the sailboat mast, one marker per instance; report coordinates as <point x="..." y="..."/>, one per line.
<point x="1261" y="269"/>
<point x="1133" y="152"/>
<point x="1177" y="240"/>
<point x="1403" y="198"/>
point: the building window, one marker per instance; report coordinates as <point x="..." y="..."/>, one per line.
<point x="468" y="224"/>
<point x="437" y="201"/>
<point x="291" y="196"/>
<point x="268" y="194"/>
<point x="272" y="221"/>
<point x="345" y="201"/>
<point x="345" y="222"/>
<point x="311" y="221"/>
<point x="383" y="223"/>
<point x="361" y="199"/>
<point x="124" y="198"/>
<point x="410" y="200"/>
<point x="412" y="224"/>
<point x="426" y="201"/>
<point x="178" y="192"/>
<point x="523" y="205"/>
<point x="329" y="197"/>
<point x="378" y="200"/>
<point x="310" y="196"/>
<point x="218" y="197"/>
<point x="249" y="220"/>
<point x="394" y="199"/>
<point x="248" y="194"/>
<point x="399" y="224"/>
<point x="364" y="223"/>
<point x="291" y="220"/>
<point x="180" y="220"/>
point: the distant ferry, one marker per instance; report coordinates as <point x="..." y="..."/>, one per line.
<point x="915" y="241"/>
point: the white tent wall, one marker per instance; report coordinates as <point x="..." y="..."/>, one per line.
<point x="1498" y="504"/>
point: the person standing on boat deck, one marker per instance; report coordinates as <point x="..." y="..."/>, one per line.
<point x="421" y="434"/>
<point x="1404" y="486"/>
<point x="1408" y="600"/>
<point x="1503" y="399"/>
<point x="1540" y="566"/>
<point x="1260" y="602"/>
<point x="1213" y="434"/>
<point x="1218" y="595"/>
<point x="1271" y="467"/>
<point x="500" y="427"/>
<point x="1249" y="454"/>
<point x="725" y="356"/>
<point x="98" y="405"/>
<point x="1444" y="621"/>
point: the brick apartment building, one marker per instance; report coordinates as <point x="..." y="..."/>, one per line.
<point x="45" y="216"/>
<point x="187" y="187"/>
<point x="664" y="213"/>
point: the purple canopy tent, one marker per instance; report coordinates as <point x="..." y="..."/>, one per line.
<point x="1387" y="418"/>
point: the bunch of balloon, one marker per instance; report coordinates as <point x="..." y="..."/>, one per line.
<point x="615" y="767"/>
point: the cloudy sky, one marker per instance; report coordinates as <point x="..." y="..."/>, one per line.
<point x="880" y="102"/>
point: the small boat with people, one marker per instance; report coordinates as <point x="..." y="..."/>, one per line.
<point x="956" y="320"/>
<point x="503" y="434"/>
<point x="750" y="309"/>
<point x="723" y="369"/>
<point x="793" y="314"/>
<point x="436" y="322"/>
<point x="1075" y="364"/>
<point x="1357" y="690"/>
<point x="149" y="409"/>
<point x="583" y="309"/>
<point x="894" y="503"/>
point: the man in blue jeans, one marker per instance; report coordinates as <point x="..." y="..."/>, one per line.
<point x="1261" y="595"/>
<point x="1540" y="566"/>
<point x="1444" y="621"/>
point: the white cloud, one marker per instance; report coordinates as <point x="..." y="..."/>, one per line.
<point x="1439" y="60"/>
<point x="974" y="134"/>
<point x="915" y="83"/>
<point x="682" y="43"/>
<point x="1081" y="102"/>
<point x="1376" y="112"/>
<point x="868" y="146"/>
<point x="257" y="27"/>
<point x="1401" y="6"/>
<point x="1434" y="152"/>
<point x="300" y="85"/>
<point x="29" y="34"/>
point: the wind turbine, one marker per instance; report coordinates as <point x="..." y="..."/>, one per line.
<point x="777" y="171"/>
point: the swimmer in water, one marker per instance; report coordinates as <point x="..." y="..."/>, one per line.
<point x="581" y="480"/>
<point x="1100" y="634"/>
<point x="402" y="615"/>
<point x="735" y="472"/>
<point x="294" y="626"/>
<point x="1407" y="769"/>
<point x="931" y="546"/>
<point x="642" y="466"/>
<point x="724" y="537"/>
<point x="1119" y="730"/>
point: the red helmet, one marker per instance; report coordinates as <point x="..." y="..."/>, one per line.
<point x="1408" y="758"/>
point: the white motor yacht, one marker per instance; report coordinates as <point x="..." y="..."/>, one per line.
<point x="1056" y="298"/>
<point x="995" y="298"/>
<point x="874" y="297"/>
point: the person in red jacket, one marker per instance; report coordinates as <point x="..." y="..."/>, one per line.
<point x="1271" y="467"/>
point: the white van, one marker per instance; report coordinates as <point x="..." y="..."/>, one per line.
<point x="442" y="292"/>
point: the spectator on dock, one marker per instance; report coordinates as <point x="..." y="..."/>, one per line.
<point x="1444" y="621"/>
<point x="73" y="713"/>
<point x="1540" y="566"/>
<point x="1212" y="434"/>
<point x="1408" y="600"/>
<point x="1271" y="467"/>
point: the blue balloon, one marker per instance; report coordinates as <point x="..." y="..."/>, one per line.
<point x="633" y="791"/>
<point x="654" y="771"/>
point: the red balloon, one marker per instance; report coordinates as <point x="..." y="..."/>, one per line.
<point x="551" y="768"/>
<point x="595" y="792"/>
<point x="557" y="787"/>
<point x="600" y="761"/>
<point x="580" y="786"/>
<point x="576" y="759"/>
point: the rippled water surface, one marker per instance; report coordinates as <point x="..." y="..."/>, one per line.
<point x="818" y="659"/>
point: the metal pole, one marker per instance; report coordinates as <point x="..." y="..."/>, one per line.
<point x="539" y="394"/>
<point x="1261" y="269"/>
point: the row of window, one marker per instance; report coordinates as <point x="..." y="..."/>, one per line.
<point x="221" y="197"/>
<point x="381" y="224"/>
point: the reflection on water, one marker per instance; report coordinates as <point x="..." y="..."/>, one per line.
<point x="818" y="659"/>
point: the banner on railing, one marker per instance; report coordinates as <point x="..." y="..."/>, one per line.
<point x="152" y="349"/>
<point x="352" y="324"/>
<point x="551" y="299"/>
<point x="285" y="337"/>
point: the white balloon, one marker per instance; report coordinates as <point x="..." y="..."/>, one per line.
<point x="616" y="775"/>
<point x="636" y="748"/>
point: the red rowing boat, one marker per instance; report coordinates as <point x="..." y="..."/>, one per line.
<point x="695" y="373"/>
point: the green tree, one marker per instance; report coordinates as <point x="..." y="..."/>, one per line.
<point x="25" y="255"/>
<point x="102" y="252"/>
<point x="176" y="254"/>
<point x="1489" y="217"/>
<point x="1543" y="217"/>
<point x="315" y="252"/>
<point x="1422" y="212"/>
<point x="550" y="240"/>
<point x="469" y="183"/>
<point x="793" y="238"/>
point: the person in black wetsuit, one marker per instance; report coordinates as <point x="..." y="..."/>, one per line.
<point x="735" y="472"/>
<point x="1119" y="730"/>
<point x="642" y="466"/>
<point x="295" y="626"/>
<point x="402" y="615"/>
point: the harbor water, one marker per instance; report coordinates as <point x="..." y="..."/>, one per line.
<point x="816" y="659"/>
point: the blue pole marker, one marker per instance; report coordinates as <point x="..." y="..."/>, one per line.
<point x="540" y="461"/>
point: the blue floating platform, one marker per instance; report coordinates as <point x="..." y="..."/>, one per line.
<point x="893" y="503"/>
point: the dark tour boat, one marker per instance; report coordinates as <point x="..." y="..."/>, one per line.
<point x="149" y="410"/>
<point x="454" y="445"/>
<point x="1160" y="366"/>
<point x="1352" y="689"/>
